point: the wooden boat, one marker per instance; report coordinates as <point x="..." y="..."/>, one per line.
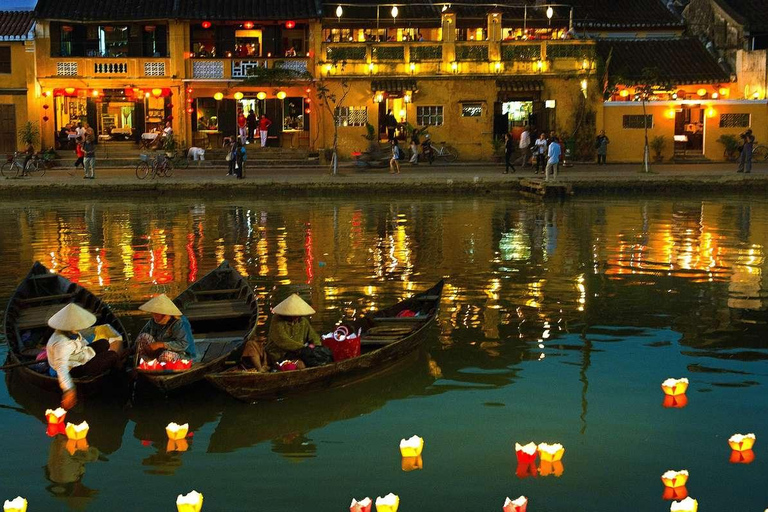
<point x="39" y="296"/>
<point x="387" y="338"/>
<point x="222" y="310"/>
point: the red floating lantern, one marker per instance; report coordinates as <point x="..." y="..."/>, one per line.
<point x="526" y="454"/>
<point x="206" y="24"/>
<point x="290" y="24"/>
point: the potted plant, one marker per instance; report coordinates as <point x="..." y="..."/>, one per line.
<point x="498" y="149"/>
<point x="731" y="145"/>
<point x="170" y="145"/>
<point x="370" y="136"/>
<point x="658" y="144"/>
<point x="29" y="133"/>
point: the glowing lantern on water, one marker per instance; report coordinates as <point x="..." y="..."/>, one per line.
<point x="412" y="463"/>
<point x="675" y="478"/>
<point x="73" y="446"/>
<point x="176" y="432"/>
<point x="261" y="95"/>
<point x="687" y="505"/>
<point x="180" y="445"/>
<point x="525" y="454"/>
<point x="281" y="95"/>
<point x="675" y="402"/>
<point x="411" y="447"/>
<point x="238" y="95"/>
<point x="218" y="96"/>
<point x="551" y="452"/>
<point x="388" y="503"/>
<point x="674" y="493"/>
<point x="742" y="442"/>
<point x="674" y="387"/>
<point x="17" y="504"/>
<point x="77" y="432"/>
<point x="55" y="416"/>
<point x="363" y="505"/>
<point x="518" y="505"/>
<point x="54" y="429"/>
<point x="742" y="457"/>
<point x="191" y="502"/>
<point x="547" y="468"/>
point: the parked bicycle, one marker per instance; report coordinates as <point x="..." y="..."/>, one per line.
<point x="442" y="152"/>
<point x="760" y="153"/>
<point x="14" y="166"/>
<point x="160" y="166"/>
<point x="179" y="159"/>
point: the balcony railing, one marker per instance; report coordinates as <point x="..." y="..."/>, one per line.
<point x="238" y="68"/>
<point x="98" y="67"/>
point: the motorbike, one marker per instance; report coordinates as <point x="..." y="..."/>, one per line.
<point x="373" y="157"/>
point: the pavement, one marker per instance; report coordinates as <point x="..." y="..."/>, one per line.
<point x="461" y="177"/>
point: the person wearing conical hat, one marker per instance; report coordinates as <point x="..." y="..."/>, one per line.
<point x="71" y="356"/>
<point x="290" y="330"/>
<point x="167" y="336"/>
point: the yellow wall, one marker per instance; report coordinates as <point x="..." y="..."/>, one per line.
<point x="22" y="73"/>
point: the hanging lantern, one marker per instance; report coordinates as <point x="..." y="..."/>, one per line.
<point x="191" y="502"/>
<point x="46" y="94"/>
<point x="742" y="457"/>
<point x="518" y="505"/>
<point x="675" y="478"/>
<point x="70" y="90"/>
<point x="248" y="25"/>
<point x="411" y="447"/>
<point x="363" y="505"/>
<point x="307" y="110"/>
<point x="550" y="452"/>
<point x="394" y="13"/>
<point x="547" y="468"/>
<point x="724" y="91"/>
<point x="339" y="12"/>
<point x="190" y="110"/>
<point x="95" y="93"/>
<point x="238" y="95"/>
<point x="157" y="92"/>
<point x="290" y="24"/>
<point x="412" y="463"/>
<point x="190" y="90"/>
<point x="550" y="12"/>
<point x="45" y="118"/>
<point x="46" y="107"/>
<point x="525" y="454"/>
<point x="149" y="28"/>
<point x="261" y="95"/>
<point x="176" y="432"/>
<point x="218" y="96"/>
<point x="687" y="505"/>
<point x="281" y="95"/>
<point x="17" y="504"/>
<point x="388" y="503"/>
<point x="67" y="28"/>
<point x="702" y="92"/>
<point x="624" y="93"/>
<point x="741" y="442"/>
<point x="77" y="431"/>
<point x="206" y="24"/>
<point x="674" y="387"/>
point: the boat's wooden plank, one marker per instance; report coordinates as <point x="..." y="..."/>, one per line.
<point x="210" y="310"/>
<point x="218" y="348"/>
<point x="34" y="317"/>
<point x="203" y="293"/>
<point x="43" y="298"/>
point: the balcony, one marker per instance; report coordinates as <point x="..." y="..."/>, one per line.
<point x="241" y="68"/>
<point x="96" y="67"/>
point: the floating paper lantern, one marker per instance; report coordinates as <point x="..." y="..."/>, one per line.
<point x="525" y="454"/>
<point x="55" y="416"/>
<point x="77" y="431"/>
<point x="363" y="505"/>
<point x="742" y="457"/>
<point x="674" y="493"/>
<point x="178" y="445"/>
<point x="675" y="478"/>
<point x="388" y="503"/>
<point x="411" y="447"/>
<point x="550" y="452"/>
<point x="675" y="387"/>
<point x="687" y="505"/>
<point x="675" y="402"/>
<point x="152" y="364"/>
<point x="176" y="432"/>
<point x="547" y="468"/>
<point x="54" y="429"/>
<point x="76" y="445"/>
<point x="191" y="502"/>
<point x="742" y="442"/>
<point x="17" y="504"/>
<point x="412" y="463"/>
<point x="526" y="470"/>
<point x="518" y="505"/>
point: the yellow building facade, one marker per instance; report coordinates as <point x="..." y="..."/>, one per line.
<point x="17" y="72"/>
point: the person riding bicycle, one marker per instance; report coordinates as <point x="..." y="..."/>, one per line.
<point x="427" y="150"/>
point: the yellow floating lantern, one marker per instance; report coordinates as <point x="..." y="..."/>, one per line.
<point x="741" y="442"/>
<point x="180" y="445"/>
<point x="742" y="457"/>
<point x="551" y="452"/>
<point x="674" y="387"/>
<point x="261" y="95"/>
<point x="191" y="502"/>
<point x="411" y="447"/>
<point x="518" y="505"/>
<point x="238" y="95"/>
<point x="176" y="432"/>
<point x="388" y="503"/>
<point x="281" y="95"/>
<point x="77" y="432"/>
<point x="675" y="478"/>
<point x="55" y="416"/>
<point x="412" y="463"/>
<point x="18" y="504"/>
<point x="687" y="505"/>
<point x="363" y="505"/>
<point x="76" y="445"/>
<point x="218" y="96"/>
<point x="547" y="468"/>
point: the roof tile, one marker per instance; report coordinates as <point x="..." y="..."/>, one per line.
<point x="16" y="25"/>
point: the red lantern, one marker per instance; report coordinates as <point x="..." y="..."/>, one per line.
<point x="248" y="25"/>
<point x="307" y="100"/>
<point x="189" y="90"/>
<point x="46" y="107"/>
<point x="149" y="28"/>
<point x="308" y="90"/>
<point x="206" y="24"/>
<point x="190" y="100"/>
<point x="307" y="111"/>
<point x="67" y="28"/>
<point x="45" y="118"/>
<point x="290" y="24"/>
<point x="170" y="105"/>
<point x="190" y="110"/>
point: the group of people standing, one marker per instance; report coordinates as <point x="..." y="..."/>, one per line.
<point x="547" y="152"/>
<point x="85" y="149"/>
<point x="250" y="124"/>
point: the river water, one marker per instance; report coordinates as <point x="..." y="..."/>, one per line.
<point x="558" y="323"/>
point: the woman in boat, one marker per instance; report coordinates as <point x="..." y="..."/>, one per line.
<point x="290" y="334"/>
<point x="167" y="336"/>
<point x="70" y="356"/>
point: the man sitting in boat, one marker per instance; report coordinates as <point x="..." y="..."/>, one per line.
<point x="167" y="336"/>
<point x="290" y="334"/>
<point x="71" y="356"/>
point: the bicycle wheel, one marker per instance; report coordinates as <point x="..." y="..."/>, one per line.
<point x="9" y="170"/>
<point x="166" y="168"/>
<point x="142" y="170"/>
<point x="760" y="154"/>
<point x="181" y="162"/>
<point x="35" y="168"/>
<point x="450" y="154"/>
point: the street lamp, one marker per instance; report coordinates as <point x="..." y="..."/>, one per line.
<point x="550" y="13"/>
<point x="395" y="12"/>
<point x="339" y="12"/>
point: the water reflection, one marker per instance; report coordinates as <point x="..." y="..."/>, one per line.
<point x="66" y="470"/>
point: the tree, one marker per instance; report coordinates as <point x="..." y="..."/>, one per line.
<point x="333" y="103"/>
<point x="29" y="133"/>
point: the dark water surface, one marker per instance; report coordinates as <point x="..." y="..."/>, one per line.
<point x="558" y="324"/>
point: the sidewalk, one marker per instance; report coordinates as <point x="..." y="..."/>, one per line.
<point x="462" y="177"/>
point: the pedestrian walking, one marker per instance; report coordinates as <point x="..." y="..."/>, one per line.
<point x="541" y="152"/>
<point x="601" y="144"/>
<point x="524" y="144"/>
<point x="79" y="153"/>
<point x="253" y="124"/>
<point x="89" y="161"/>
<point x="391" y="123"/>
<point x="745" y="159"/>
<point x="509" y="151"/>
<point x="264" y="124"/>
<point x="242" y="128"/>
<point x="394" y="162"/>
<point x="240" y="158"/>
<point x="553" y="159"/>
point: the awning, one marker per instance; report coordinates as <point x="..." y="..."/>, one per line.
<point x="394" y="85"/>
<point x="520" y="85"/>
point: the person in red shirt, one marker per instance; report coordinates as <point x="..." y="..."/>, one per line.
<point x="80" y="154"/>
<point x="264" y="124"/>
<point x="241" y="124"/>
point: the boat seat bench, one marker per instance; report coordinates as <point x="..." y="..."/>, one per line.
<point x="45" y="298"/>
<point x="214" y="309"/>
<point x="212" y="348"/>
<point x="35" y="317"/>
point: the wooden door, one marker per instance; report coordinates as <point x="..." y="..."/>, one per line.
<point x="7" y="129"/>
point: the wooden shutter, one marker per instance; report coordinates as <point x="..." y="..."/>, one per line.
<point x="7" y="129"/>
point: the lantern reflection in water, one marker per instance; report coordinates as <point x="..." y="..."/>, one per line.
<point x="76" y="445"/>
<point x="675" y="402"/>
<point x="518" y="505"/>
<point x="363" y="505"/>
<point x="548" y="468"/>
<point x="177" y="445"/>
<point x="674" y="493"/>
<point x="742" y="457"/>
<point x="17" y="504"/>
<point x="526" y="470"/>
<point x="412" y="463"/>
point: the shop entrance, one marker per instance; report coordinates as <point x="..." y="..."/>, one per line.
<point x="689" y="130"/>
<point x="7" y="128"/>
<point x="394" y="102"/>
<point x="117" y="118"/>
<point x="514" y="111"/>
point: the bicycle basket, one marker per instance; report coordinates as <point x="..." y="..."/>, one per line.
<point x="144" y="158"/>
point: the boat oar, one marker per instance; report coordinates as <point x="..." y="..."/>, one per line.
<point x="19" y="365"/>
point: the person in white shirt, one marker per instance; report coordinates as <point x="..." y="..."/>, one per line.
<point x="70" y="356"/>
<point x="525" y="143"/>
<point x="541" y="152"/>
<point x="553" y="159"/>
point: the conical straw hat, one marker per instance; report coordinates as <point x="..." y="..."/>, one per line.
<point x="161" y="305"/>
<point x="293" y="306"/>
<point x="71" y="318"/>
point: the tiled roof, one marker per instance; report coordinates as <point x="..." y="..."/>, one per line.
<point x="623" y="14"/>
<point x="753" y="14"/>
<point x="106" y="10"/>
<point x="520" y="85"/>
<point x="249" y="9"/>
<point x="394" y="85"/>
<point x="16" y="25"/>
<point x="680" y="61"/>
